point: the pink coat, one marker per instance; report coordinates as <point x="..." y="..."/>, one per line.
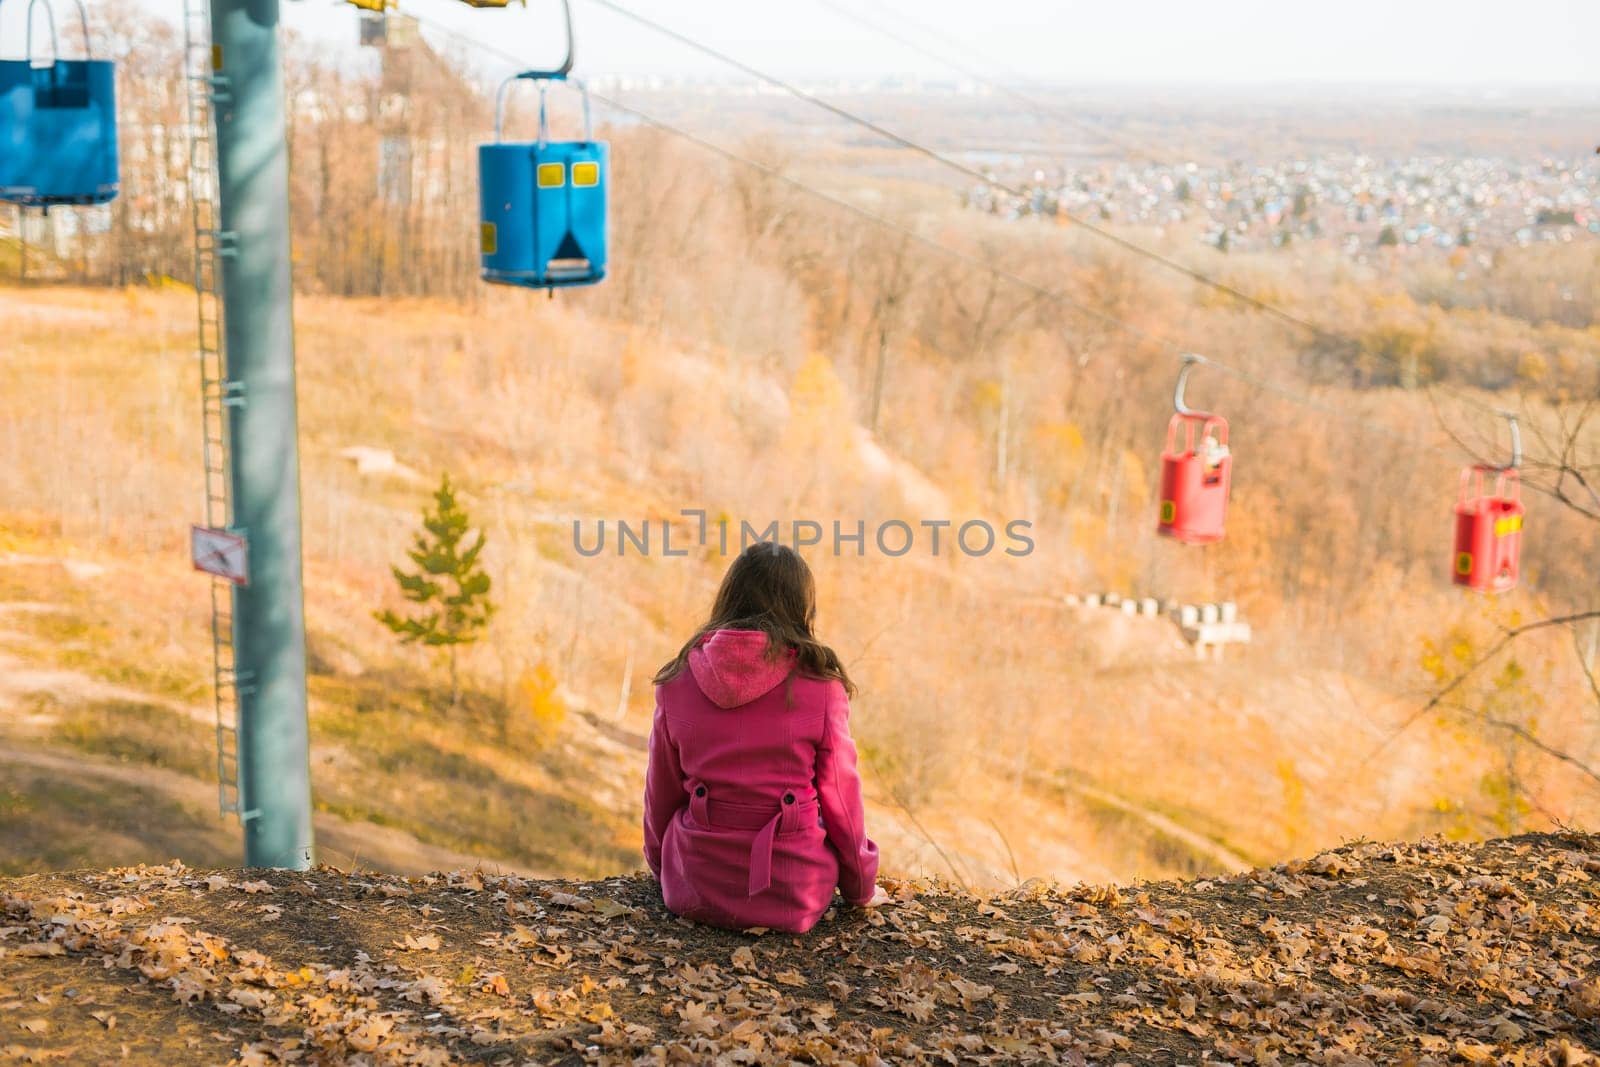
<point x="752" y="804"/>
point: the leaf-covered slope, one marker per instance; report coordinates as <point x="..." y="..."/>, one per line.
<point x="1381" y="954"/>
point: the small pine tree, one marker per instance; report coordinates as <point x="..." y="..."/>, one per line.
<point x="447" y="618"/>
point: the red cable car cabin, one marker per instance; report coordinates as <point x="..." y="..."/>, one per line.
<point x="1195" y="478"/>
<point x="1489" y="530"/>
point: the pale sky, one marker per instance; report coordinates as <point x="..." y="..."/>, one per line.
<point x="1426" y="42"/>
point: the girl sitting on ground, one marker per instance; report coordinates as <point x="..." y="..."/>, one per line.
<point x="752" y="804"/>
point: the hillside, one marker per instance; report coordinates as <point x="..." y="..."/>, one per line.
<point x="107" y="757"/>
<point x="769" y="360"/>
<point x="1426" y="953"/>
<point x="1092" y="768"/>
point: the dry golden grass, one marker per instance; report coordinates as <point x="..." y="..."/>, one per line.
<point x="994" y="722"/>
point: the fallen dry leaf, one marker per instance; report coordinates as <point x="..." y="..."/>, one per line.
<point x="425" y="943"/>
<point x="611" y="909"/>
<point x="40" y="948"/>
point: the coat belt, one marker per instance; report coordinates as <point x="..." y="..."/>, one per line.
<point x="793" y="814"/>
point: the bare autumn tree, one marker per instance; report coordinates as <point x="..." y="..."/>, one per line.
<point x="150" y="235"/>
<point x="893" y="279"/>
<point x="383" y="169"/>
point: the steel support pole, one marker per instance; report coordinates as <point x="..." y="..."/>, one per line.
<point x="269" y="613"/>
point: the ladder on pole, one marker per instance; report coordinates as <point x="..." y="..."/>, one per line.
<point x="217" y="393"/>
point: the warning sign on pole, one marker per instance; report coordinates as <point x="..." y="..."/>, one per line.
<point x="220" y="552"/>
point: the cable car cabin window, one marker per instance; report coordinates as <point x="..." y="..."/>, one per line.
<point x="65" y="94"/>
<point x="585" y="175"/>
<point x="552" y="175"/>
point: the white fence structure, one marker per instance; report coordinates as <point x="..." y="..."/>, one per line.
<point x="1206" y="627"/>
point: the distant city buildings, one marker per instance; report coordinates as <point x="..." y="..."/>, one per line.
<point x="1355" y="202"/>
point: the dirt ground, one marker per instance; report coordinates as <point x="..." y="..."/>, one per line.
<point x="1373" y="954"/>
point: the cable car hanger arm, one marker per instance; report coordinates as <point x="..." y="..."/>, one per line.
<point x="1190" y="361"/>
<point x="559" y="73"/>
<point x="1516" y="440"/>
<point x="536" y="75"/>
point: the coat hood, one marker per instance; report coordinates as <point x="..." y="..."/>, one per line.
<point x="731" y="667"/>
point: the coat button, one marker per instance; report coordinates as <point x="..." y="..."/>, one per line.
<point x="788" y="798"/>
<point x="699" y="790"/>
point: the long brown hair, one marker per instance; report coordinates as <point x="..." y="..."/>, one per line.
<point x="769" y="588"/>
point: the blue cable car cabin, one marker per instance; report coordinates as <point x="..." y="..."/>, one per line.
<point x="544" y="212"/>
<point x="58" y="126"/>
